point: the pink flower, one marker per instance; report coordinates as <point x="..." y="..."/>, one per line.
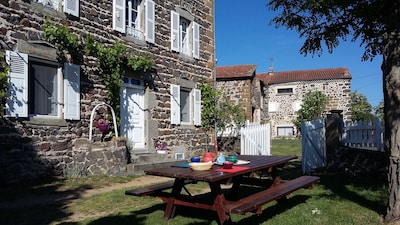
<point x="103" y="122"/>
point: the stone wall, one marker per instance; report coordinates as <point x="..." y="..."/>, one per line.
<point x="244" y="92"/>
<point x="47" y="145"/>
<point x="337" y="91"/>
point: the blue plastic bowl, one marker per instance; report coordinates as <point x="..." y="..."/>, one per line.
<point x="195" y="159"/>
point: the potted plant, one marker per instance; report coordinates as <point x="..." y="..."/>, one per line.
<point x="103" y="125"/>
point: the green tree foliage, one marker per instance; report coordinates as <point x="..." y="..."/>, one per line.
<point x="376" y="24"/>
<point x="379" y="111"/>
<point x="312" y="108"/>
<point x="3" y="83"/>
<point x="218" y="110"/>
<point x="208" y="110"/>
<point x="360" y="107"/>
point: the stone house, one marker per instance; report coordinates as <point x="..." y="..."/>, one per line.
<point x="242" y="86"/>
<point x="51" y="99"/>
<point x="284" y="92"/>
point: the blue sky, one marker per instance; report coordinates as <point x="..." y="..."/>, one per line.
<point x="244" y="36"/>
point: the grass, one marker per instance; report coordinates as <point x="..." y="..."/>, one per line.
<point x="337" y="199"/>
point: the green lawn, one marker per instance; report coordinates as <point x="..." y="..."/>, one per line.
<point x="337" y="199"/>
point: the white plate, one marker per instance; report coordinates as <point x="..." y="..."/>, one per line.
<point x="242" y="162"/>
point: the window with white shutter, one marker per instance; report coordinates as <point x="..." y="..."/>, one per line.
<point x="40" y="88"/>
<point x="150" y="36"/>
<point x="185" y="35"/>
<point x="175" y="104"/>
<point x="72" y="92"/>
<point x="71" y="7"/>
<point x="135" y="18"/>
<point x="119" y="18"/>
<point x="17" y="94"/>
<point x="185" y="106"/>
<point x="196" y="107"/>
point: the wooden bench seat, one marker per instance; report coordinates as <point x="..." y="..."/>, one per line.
<point x="254" y="203"/>
<point x="153" y="189"/>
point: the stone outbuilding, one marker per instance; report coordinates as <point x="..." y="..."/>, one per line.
<point x="242" y="86"/>
<point x="284" y="92"/>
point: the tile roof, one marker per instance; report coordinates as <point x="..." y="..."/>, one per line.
<point x="303" y="75"/>
<point x="240" y="71"/>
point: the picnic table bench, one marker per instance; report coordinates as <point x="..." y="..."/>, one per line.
<point x="254" y="202"/>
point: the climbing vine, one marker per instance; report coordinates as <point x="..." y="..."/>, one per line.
<point x="112" y="60"/>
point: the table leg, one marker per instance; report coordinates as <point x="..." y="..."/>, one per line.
<point x="176" y="190"/>
<point x="219" y="200"/>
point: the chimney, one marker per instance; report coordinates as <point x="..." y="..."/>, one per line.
<point x="271" y="71"/>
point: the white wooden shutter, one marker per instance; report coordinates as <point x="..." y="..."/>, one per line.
<point x="71" y="7"/>
<point x="175" y="31"/>
<point x="196" y="40"/>
<point x="196" y="107"/>
<point x="17" y="94"/>
<point x="119" y="15"/>
<point x="72" y="98"/>
<point x="150" y="21"/>
<point x="175" y="104"/>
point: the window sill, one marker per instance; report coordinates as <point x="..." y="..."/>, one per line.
<point x="47" y="122"/>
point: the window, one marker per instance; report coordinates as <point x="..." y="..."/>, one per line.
<point x="40" y="88"/>
<point x="296" y="106"/>
<point x="70" y="6"/>
<point x="285" y="131"/>
<point x="185" y="36"/>
<point x="185" y="106"/>
<point x="135" y="18"/>
<point x="272" y="107"/>
<point x="285" y="90"/>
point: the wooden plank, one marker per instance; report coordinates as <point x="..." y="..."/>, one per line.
<point x="152" y="189"/>
<point x="253" y="203"/>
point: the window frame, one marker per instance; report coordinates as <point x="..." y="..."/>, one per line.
<point x="285" y="90"/>
<point x="32" y="93"/>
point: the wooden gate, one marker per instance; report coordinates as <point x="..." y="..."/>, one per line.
<point x="313" y="145"/>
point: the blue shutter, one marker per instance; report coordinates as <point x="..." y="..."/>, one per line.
<point x="17" y="94"/>
<point x="175" y="39"/>
<point x="119" y="16"/>
<point x="150" y="37"/>
<point x="196" y="40"/>
<point x="197" y="107"/>
<point x="175" y="104"/>
<point x="72" y="98"/>
<point x="71" y="7"/>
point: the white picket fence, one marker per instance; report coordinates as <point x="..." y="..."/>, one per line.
<point x="363" y="134"/>
<point x="255" y="139"/>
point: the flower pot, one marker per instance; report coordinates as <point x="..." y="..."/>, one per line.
<point x="103" y="128"/>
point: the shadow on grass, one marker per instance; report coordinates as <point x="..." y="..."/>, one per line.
<point x="339" y="183"/>
<point x="36" y="202"/>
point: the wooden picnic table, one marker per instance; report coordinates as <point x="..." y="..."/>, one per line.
<point x="275" y="187"/>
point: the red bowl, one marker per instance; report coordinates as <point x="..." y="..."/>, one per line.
<point x="228" y="165"/>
